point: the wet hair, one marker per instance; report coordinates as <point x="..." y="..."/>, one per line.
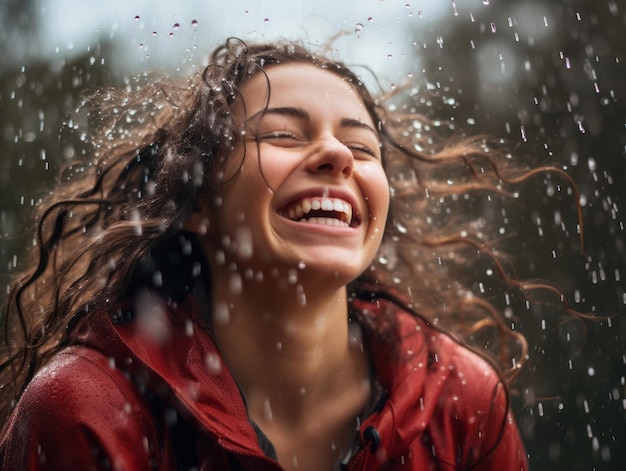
<point x="115" y="222"/>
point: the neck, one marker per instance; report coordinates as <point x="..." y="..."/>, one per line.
<point x="288" y="346"/>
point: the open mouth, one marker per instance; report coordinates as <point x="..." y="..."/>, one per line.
<point x="320" y="210"/>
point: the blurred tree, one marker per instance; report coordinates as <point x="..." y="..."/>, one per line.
<point x="549" y="77"/>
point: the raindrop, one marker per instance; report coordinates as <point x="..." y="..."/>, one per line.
<point x="485" y="2"/>
<point x="358" y="28"/>
<point x="243" y="237"/>
<point x="266" y="20"/>
<point x="213" y="363"/>
<point x="370" y="19"/>
<point x="194" y="23"/>
<point x="267" y="409"/>
<point x="154" y="33"/>
<point x="176" y="26"/>
<point x="235" y="283"/>
<point x="221" y="314"/>
<point x="137" y="18"/>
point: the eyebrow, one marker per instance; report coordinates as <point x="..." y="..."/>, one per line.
<point x="301" y="113"/>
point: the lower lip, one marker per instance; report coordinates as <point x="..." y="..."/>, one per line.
<point x="320" y="228"/>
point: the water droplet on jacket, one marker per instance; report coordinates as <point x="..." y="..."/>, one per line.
<point x="213" y="363"/>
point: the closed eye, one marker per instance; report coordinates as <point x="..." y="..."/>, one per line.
<point x="279" y="135"/>
<point x="365" y="149"/>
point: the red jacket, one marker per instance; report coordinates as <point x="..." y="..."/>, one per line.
<point x="122" y="399"/>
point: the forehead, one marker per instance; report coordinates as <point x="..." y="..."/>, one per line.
<point x="303" y="85"/>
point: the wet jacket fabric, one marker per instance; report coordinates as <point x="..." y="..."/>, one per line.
<point x="157" y="396"/>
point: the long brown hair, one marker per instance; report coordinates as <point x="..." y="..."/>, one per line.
<point x="160" y="145"/>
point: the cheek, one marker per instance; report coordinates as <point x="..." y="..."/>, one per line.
<point x="375" y="185"/>
<point x="274" y="166"/>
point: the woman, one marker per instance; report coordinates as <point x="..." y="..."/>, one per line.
<point x="213" y="293"/>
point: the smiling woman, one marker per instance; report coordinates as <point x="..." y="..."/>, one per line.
<point x="218" y="287"/>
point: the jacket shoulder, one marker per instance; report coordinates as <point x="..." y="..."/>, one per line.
<point x="79" y="412"/>
<point x="474" y="411"/>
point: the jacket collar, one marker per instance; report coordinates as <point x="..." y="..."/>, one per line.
<point x="414" y="375"/>
<point x="182" y="362"/>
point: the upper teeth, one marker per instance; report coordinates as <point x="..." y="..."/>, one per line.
<point x="298" y="209"/>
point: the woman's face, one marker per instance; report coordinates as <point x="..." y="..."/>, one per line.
<point x="311" y="190"/>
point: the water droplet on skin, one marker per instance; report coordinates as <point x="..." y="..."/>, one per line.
<point x="267" y="409"/>
<point x="243" y="240"/>
<point x="221" y="315"/>
<point x="235" y="284"/>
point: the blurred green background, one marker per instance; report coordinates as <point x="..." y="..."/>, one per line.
<point x="547" y="76"/>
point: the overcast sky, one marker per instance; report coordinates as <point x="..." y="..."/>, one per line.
<point x="163" y="33"/>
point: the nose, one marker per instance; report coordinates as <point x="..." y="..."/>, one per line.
<point x="331" y="157"/>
